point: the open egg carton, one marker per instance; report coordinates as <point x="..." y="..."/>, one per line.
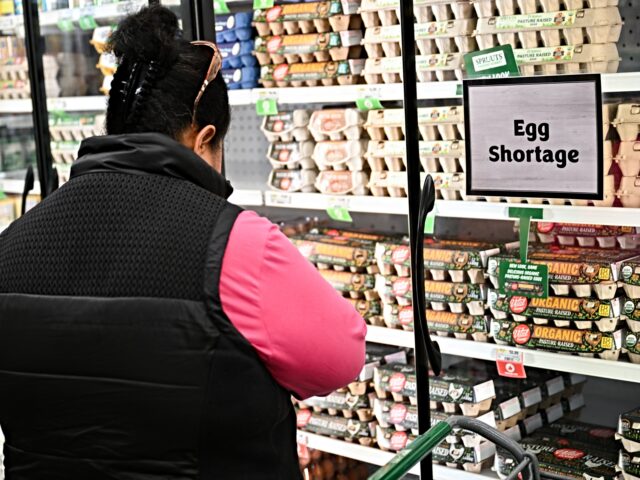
<point x="440" y="67"/>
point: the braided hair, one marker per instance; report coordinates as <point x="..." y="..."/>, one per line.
<point x="158" y="77"/>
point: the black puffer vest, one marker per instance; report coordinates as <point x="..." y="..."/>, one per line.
<point x="116" y="359"/>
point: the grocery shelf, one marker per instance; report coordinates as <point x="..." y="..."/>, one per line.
<point x="390" y="336"/>
<point x="98" y="12"/>
<point x="97" y="103"/>
<point x="247" y="198"/>
<point x="353" y="203"/>
<point x="240" y="97"/>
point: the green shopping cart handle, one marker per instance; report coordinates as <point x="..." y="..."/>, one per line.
<point x="400" y="465"/>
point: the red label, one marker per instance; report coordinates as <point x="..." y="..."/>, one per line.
<point x="510" y="369"/>
<point x="400" y="255"/>
<point x="405" y="316"/>
<point x="303" y="417"/>
<point x="401" y="286"/>
<point x="602" y="433"/>
<point x="521" y="334"/>
<point x="274" y="44"/>
<point x="398" y="413"/>
<point x="568" y="454"/>
<point x="545" y="227"/>
<point x="396" y="382"/>
<point x="398" y="440"/>
<point x="518" y="305"/>
<point x="273" y="13"/>
<point x="281" y="72"/>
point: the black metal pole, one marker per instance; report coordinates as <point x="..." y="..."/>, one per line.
<point x="413" y="192"/>
<point x="34" y="45"/>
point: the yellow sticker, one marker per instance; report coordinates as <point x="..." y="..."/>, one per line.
<point x="604" y="274"/>
<point x="604" y="310"/>
<point x="607" y="343"/>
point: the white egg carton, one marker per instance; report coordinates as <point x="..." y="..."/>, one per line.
<point x="340" y="154"/>
<point x="105" y="88"/>
<point x="100" y="38"/>
<point x="440" y="67"/>
<point x="336" y="124"/>
<point x="342" y="182"/>
<point x="388" y="184"/>
<point x="291" y="155"/>
<point x="627" y="121"/>
<point x="285" y="180"/>
<point x="491" y="8"/>
<point x="587" y="58"/>
<point x="287" y="126"/>
<point x="387" y="12"/>
<point x="628" y="158"/>
<point x="450" y="36"/>
<point x="107" y="64"/>
<point x="572" y="27"/>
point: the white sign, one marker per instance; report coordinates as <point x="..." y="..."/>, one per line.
<point x="534" y="137"/>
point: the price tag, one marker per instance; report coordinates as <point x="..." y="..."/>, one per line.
<point x="6" y="22"/>
<point x="262" y="4"/>
<point x="87" y="22"/>
<point x="2" y="195"/>
<point x="65" y="24"/>
<point x="277" y="198"/>
<point x="524" y="279"/>
<point x="491" y="63"/>
<point x="302" y="439"/>
<point x="266" y="106"/>
<point x="220" y="6"/>
<point x="368" y="103"/>
<point x="459" y="90"/>
<point x="510" y="363"/>
<point x="339" y="213"/>
<point x="429" y="223"/>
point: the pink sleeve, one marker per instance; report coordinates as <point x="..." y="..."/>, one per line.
<point x="310" y="338"/>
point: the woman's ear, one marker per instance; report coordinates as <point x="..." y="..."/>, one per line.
<point x="204" y="140"/>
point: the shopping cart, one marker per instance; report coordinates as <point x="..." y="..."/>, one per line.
<point x="399" y="466"/>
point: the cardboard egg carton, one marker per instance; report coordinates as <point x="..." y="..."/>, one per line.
<point x="435" y="123"/>
<point x="609" y="111"/>
<point x="586" y="58"/>
<point x="14" y="69"/>
<point x="447" y="156"/>
<point x="629" y="430"/>
<point x="64" y="153"/>
<point x="449" y="186"/>
<point x="337" y="252"/>
<point x="398" y="316"/>
<point x="354" y="285"/>
<point x="348" y="429"/>
<point x="629" y="192"/>
<point x="569" y="27"/>
<point x="313" y="17"/>
<point x="627" y="121"/>
<point x="568" y="234"/>
<point x="628" y="465"/>
<point x="292" y="155"/>
<point x="631" y="314"/>
<point x="387" y="12"/>
<point x="342" y="403"/>
<point x="287" y="126"/>
<point x="632" y="346"/>
<point x="392" y="440"/>
<point x="342" y="182"/>
<point x="345" y="72"/>
<point x="453" y="36"/>
<point x="337" y="124"/>
<point x="340" y="155"/>
<point x="307" y="48"/>
<point x="286" y="180"/>
<point x="370" y="310"/>
<point x="628" y="158"/>
<point x="493" y="8"/>
<point x="100" y="38"/>
<point x="75" y="128"/>
<point x="440" y="67"/>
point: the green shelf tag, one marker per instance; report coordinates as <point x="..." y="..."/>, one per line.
<point x="262" y="4"/>
<point x="368" y="103"/>
<point x="429" y="224"/>
<point x="524" y="279"/>
<point x="87" y="22"/>
<point x="496" y="62"/>
<point x="519" y="212"/>
<point x="266" y="106"/>
<point x="220" y="6"/>
<point x="2" y="195"/>
<point x="459" y="90"/>
<point x="339" y="213"/>
<point x="65" y="24"/>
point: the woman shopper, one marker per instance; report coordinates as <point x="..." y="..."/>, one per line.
<point x="149" y="329"/>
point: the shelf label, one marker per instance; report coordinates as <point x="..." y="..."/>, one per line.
<point x="65" y="25"/>
<point x="266" y="106"/>
<point x="339" y="213"/>
<point x="534" y="137"/>
<point x="87" y="22"/>
<point x="510" y="363"/>
<point x="220" y="6"/>
<point x="302" y="438"/>
<point x="496" y="62"/>
<point x="279" y="198"/>
<point x="524" y="279"/>
<point x="368" y="103"/>
<point x="262" y="4"/>
<point x="430" y="223"/>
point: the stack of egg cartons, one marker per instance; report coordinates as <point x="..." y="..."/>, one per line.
<point x="290" y="151"/>
<point x="444" y="33"/>
<point x="107" y="63"/>
<point x="316" y="43"/>
<point x="341" y="143"/>
<point x="627" y="125"/>
<point x="234" y="36"/>
<point x="442" y="150"/>
<point x="629" y="436"/>
<point x="14" y="77"/>
<point x="553" y="36"/>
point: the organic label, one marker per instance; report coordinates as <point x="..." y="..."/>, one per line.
<point x="524" y="279"/>
<point x="220" y="6"/>
<point x="536" y="20"/>
<point x="266" y="106"/>
<point x="368" y="103"/>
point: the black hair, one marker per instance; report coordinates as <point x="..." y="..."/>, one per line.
<point x="158" y="77"/>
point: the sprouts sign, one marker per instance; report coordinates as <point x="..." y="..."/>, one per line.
<point x="534" y="137"/>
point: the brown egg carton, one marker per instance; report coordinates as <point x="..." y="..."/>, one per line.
<point x="342" y="403"/>
<point x="493" y="8"/>
<point x="286" y="180"/>
<point x="435" y="156"/>
<point x="387" y="12"/>
<point x="627" y="121"/>
<point x="449" y="186"/>
<point x="346" y="72"/>
<point x="458" y="325"/>
<point x="340" y="155"/>
<point x="307" y="48"/>
<point x="347" y="429"/>
<point x="628" y="158"/>
<point x="573" y="27"/>
<point x="440" y="67"/>
<point x="354" y="285"/>
<point x="435" y="123"/>
<point x="371" y="269"/>
<point x="291" y="155"/>
<point x="342" y="182"/>
<point x="586" y="58"/>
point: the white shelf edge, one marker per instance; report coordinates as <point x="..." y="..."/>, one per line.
<point x="353" y="203"/>
<point x="390" y="336"/>
<point x="247" y="198"/>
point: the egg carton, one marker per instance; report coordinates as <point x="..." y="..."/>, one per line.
<point x="64" y="153"/>
<point x="342" y="182"/>
<point x="341" y="403"/>
<point x="340" y="155"/>
<point x="234" y="27"/>
<point x="627" y="121"/>
<point x="392" y="440"/>
<point x="603" y="325"/>
<point x="587" y="58"/>
<point x="434" y="156"/>
<point x="313" y="17"/>
<point x="14" y="69"/>
<point x="237" y="54"/>
<point x="628" y="158"/>
<point x="287" y="126"/>
<point x="440" y="67"/>
<point x="434" y="123"/>
<point x="628" y="465"/>
<point x="293" y="155"/>
<point x="387" y="12"/>
<point x="107" y="64"/>
<point x="354" y="285"/>
<point x="396" y="316"/>
<point x="285" y="180"/>
<point x="346" y="72"/>
<point x="572" y="27"/>
<point x="453" y="36"/>
<point x="14" y="89"/>
<point x="492" y="8"/>
<point x="609" y="111"/>
<point x="346" y="429"/>
<point x="100" y="38"/>
<point x="631" y="314"/>
<point x="307" y="48"/>
<point x="632" y="347"/>
<point x="370" y="310"/>
<point x="449" y="186"/>
<point x="625" y="241"/>
<point x="607" y="156"/>
<point x="336" y="124"/>
<point x="241" y="78"/>
<point x="629" y="192"/>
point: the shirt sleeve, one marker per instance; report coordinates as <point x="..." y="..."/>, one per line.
<point x="310" y="338"/>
